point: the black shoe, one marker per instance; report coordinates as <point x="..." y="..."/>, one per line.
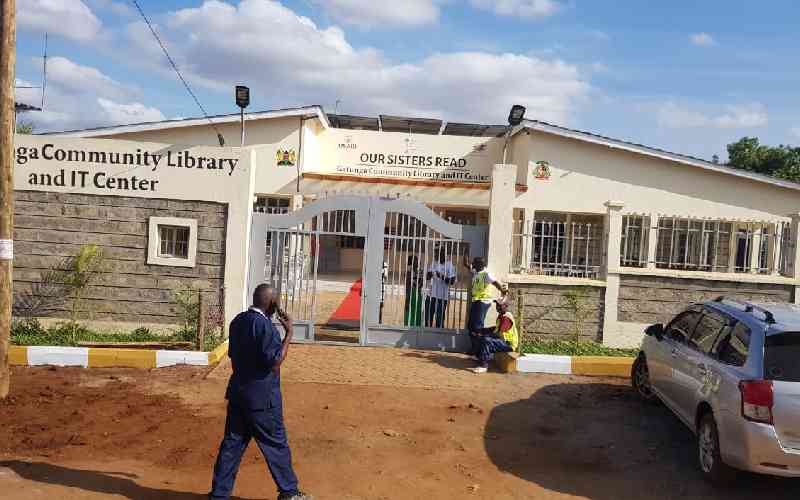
<point x="296" y="496"/>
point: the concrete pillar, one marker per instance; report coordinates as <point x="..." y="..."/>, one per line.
<point x="501" y="219"/>
<point x="614" y="232"/>
<point x="527" y="241"/>
<point x="652" y="241"/>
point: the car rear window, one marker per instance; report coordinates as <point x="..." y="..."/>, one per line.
<point x="782" y="357"/>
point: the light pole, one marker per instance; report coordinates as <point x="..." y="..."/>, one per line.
<point x="515" y="117"/>
<point x="242" y="100"/>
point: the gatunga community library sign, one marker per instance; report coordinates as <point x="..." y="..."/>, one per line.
<point x="59" y="165"/>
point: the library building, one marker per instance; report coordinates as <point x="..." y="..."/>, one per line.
<point x="364" y="223"/>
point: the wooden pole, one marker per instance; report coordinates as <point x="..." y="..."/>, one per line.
<point x="202" y="317"/>
<point x="8" y="38"/>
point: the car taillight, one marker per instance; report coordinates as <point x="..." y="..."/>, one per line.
<point x="757" y="400"/>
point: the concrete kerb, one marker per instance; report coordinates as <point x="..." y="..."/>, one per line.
<point x="111" y="357"/>
<point x="607" y="366"/>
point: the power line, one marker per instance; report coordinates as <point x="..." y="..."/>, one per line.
<point x="177" y="71"/>
<point x="44" y="69"/>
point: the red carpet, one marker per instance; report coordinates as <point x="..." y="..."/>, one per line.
<point x="350" y="308"/>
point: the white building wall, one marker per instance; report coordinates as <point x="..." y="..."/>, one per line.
<point x="584" y="176"/>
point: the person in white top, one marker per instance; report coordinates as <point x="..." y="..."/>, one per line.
<point x="441" y="274"/>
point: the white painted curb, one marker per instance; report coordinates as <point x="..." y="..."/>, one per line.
<point x="545" y="363"/>
<point x="58" y="356"/>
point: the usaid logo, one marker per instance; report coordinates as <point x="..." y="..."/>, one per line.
<point x="348" y="144"/>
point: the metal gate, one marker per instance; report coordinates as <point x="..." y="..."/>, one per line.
<point x="411" y="288"/>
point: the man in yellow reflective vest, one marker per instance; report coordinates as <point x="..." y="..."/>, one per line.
<point x="504" y="338"/>
<point x="481" y="299"/>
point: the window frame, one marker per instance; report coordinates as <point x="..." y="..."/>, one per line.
<point x="733" y="325"/>
<point x="154" y="255"/>
<point x="688" y="336"/>
<point x="724" y="321"/>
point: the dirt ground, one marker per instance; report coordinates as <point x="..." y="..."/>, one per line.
<point x="363" y="424"/>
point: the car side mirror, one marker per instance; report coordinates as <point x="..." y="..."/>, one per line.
<point x="656" y="331"/>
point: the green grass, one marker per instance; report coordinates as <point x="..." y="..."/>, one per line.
<point x="32" y="333"/>
<point x="569" y="348"/>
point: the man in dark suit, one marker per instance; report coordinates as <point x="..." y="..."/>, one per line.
<point x="255" y="405"/>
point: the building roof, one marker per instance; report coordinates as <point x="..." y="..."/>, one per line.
<point x="304" y="112"/>
<point x="435" y="127"/>
<point x="632" y="147"/>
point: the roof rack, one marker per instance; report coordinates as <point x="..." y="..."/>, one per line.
<point x="749" y="307"/>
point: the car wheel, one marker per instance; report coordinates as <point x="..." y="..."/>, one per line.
<point x="711" y="464"/>
<point x="640" y="380"/>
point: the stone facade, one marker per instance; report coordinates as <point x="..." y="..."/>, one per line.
<point x="655" y="299"/>
<point x="51" y="226"/>
<point x="546" y="315"/>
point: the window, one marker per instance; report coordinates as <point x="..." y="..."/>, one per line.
<point x="271" y="205"/>
<point x="559" y="244"/>
<point x="733" y="345"/>
<point x="682" y="327"/>
<point x="781" y="353"/>
<point x="356" y="242"/>
<point x="716" y="246"/>
<point x="172" y="242"/>
<point x="710" y="325"/>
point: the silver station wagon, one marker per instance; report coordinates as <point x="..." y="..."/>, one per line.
<point x="731" y="372"/>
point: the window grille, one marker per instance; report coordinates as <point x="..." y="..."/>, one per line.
<point x="559" y="244"/>
<point x="173" y="241"/>
<point x="691" y="244"/>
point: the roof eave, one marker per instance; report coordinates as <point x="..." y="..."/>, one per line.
<point x="652" y="152"/>
<point x="315" y="111"/>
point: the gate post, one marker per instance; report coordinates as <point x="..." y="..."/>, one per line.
<point x="373" y="264"/>
<point x="501" y="219"/>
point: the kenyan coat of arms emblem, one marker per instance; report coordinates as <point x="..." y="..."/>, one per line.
<point x="285" y="158"/>
<point x="542" y="171"/>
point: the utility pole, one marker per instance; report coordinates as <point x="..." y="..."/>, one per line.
<point x="8" y="39"/>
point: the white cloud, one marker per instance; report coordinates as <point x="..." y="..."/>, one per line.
<point x="82" y="97"/>
<point x="702" y="40"/>
<point x="134" y="112"/>
<point x="69" y="18"/>
<point x="285" y="56"/>
<point x="532" y="9"/>
<point x="374" y="14"/>
<point x="752" y="115"/>
<point x="119" y="8"/>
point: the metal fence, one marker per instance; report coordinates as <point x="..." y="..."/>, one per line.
<point x="559" y="247"/>
<point x="692" y="244"/>
<point x="424" y="283"/>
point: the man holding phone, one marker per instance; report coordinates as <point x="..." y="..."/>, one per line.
<point x="255" y="404"/>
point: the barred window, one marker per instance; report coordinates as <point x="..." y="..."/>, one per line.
<point x="722" y="246"/>
<point x="173" y="242"/>
<point x="271" y="205"/>
<point x="559" y="244"/>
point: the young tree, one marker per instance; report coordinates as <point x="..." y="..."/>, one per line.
<point x="25" y="128"/>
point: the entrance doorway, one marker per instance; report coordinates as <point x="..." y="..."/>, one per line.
<point x="368" y="271"/>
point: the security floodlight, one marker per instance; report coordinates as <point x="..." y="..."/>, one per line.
<point x="516" y="115"/>
<point x="242" y="96"/>
<point x="242" y="100"/>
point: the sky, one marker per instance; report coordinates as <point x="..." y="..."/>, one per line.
<point x="686" y="76"/>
